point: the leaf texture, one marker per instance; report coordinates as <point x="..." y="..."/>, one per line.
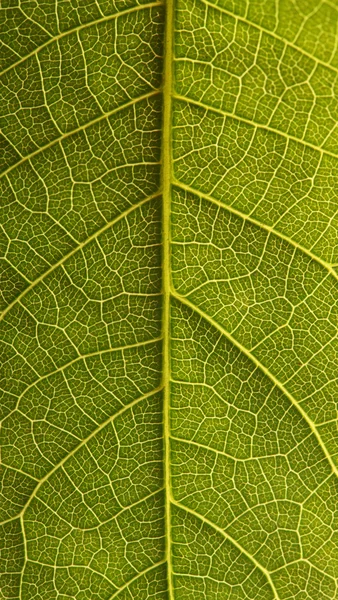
<point x="169" y="256"/>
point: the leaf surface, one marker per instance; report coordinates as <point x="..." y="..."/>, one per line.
<point x="170" y="300"/>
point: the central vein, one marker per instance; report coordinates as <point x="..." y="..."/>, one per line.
<point x="166" y="190"/>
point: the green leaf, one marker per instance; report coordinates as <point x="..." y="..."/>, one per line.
<point x="169" y="291"/>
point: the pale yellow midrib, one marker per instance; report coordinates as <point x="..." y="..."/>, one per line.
<point x="166" y="190"/>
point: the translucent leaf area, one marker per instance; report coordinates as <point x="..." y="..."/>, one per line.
<point x="169" y="297"/>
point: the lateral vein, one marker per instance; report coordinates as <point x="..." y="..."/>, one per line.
<point x="232" y="540"/>
<point x="76" y="249"/>
<point x="264" y="369"/>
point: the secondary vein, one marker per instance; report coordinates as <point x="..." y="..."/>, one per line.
<point x="185" y="300"/>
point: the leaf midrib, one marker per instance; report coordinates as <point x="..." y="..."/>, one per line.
<point x="166" y="175"/>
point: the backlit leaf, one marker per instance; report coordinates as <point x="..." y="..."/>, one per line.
<point x="169" y="297"/>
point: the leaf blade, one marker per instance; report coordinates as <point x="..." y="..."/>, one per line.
<point x="205" y="467"/>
